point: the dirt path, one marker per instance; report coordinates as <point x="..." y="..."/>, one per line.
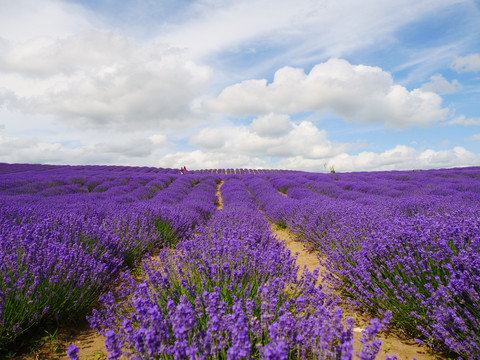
<point x="405" y="349"/>
<point x="54" y="346"/>
<point x="304" y="258"/>
<point x="219" y="202"/>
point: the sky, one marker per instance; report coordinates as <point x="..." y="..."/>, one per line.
<point x="308" y="85"/>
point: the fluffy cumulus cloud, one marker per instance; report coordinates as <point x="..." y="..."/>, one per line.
<point x="99" y="78"/>
<point x="258" y="145"/>
<point x="441" y="85"/>
<point x="401" y="157"/>
<point x="469" y="63"/>
<point x="213" y="138"/>
<point x="94" y="95"/>
<point x="31" y="150"/>
<point x="6" y="97"/>
<point x="262" y="139"/>
<point x="159" y="140"/>
<point x="200" y="159"/>
<point x="22" y="20"/>
<point x="117" y="151"/>
<point x="358" y="93"/>
<point x="272" y="125"/>
<point x="130" y="147"/>
<point x="302" y="146"/>
<point x="304" y="139"/>
<point x="142" y="93"/>
<point x="47" y="56"/>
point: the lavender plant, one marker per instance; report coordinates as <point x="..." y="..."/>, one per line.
<point x="229" y="292"/>
<point x="416" y="255"/>
<point x="60" y="250"/>
<point x="405" y="242"/>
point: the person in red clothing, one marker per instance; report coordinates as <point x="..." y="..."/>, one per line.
<point x="184" y="170"/>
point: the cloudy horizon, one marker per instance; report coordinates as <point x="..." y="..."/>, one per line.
<point x="300" y="85"/>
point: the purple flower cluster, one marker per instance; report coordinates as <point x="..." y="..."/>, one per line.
<point x="229" y="291"/>
<point x="66" y="233"/>
<point x="407" y="242"/>
<point x="404" y="244"/>
<point x="425" y="269"/>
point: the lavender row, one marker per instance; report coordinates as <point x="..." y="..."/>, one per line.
<point x="423" y="268"/>
<point x="390" y="238"/>
<point x="411" y="250"/>
<point x="230" y="291"/>
<point x="58" y="253"/>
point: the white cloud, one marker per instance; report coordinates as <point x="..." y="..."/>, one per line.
<point x="117" y="151"/>
<point x="148" y="90"/>
<point x="47" y="56"/>
<point x="463" y="120"/>
<point x="401" y="157"/>
<point x="469" y="63"/>
<point x="6" y="97"/>
<point x="23" y="20"/>
<point x="304" y="139"/>
<point x="215" y="26"/>
<point x="130" y="147"/>
<point x="213" y="138"/>
<point x="31" y="150"/>
<point x="272" y="125"/>
<point x="474" y="137"/>
<point x="199" y="159"/>
<point x="87" y="77"/>
<point x="159" y="139"/>
<point x="441" y="85"/>
<point x="308" y="28"/>
<point x="358" y="93"/>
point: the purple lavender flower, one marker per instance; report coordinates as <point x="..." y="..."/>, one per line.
<point x="112" y="345"/>
<point x="72" y="352"/>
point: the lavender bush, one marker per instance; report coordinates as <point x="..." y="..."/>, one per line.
<point x="400" y="243"/>
<point x="60" y="249"/>
<point x="231" y="291"/>
<point x="415" y="253"/>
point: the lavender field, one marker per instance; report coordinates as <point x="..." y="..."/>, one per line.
<point x="163" y="272"/>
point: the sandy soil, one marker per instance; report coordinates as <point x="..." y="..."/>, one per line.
<point x="393" y="344"/>
<point x="219" y="196"/>
<point x="90" y="344"/>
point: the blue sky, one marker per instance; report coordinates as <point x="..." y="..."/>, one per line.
<point x="305" y="85"/>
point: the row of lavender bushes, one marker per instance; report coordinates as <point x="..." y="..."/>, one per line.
<point x="229" y="292"/>
<point x="406" y="241"/>
<point x="389" y="238"/>
<point x="67" y="232"/>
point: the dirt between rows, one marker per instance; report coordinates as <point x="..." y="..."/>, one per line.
<point x="219" y="202"/>
<point x="53" y="346"/>
<point x="392" y="343"/>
